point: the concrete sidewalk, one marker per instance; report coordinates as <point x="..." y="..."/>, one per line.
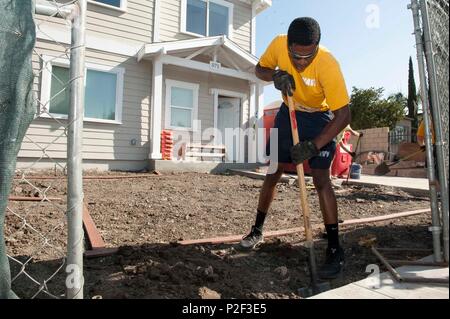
<point x="384" y="287"/>
<point x="418" y="186"/>
<point x="398" y="182"/>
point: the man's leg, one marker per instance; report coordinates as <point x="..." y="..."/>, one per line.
<point x="327" y="199"/>
<point x="328" y="206"/>
<point x="266" y="197"/>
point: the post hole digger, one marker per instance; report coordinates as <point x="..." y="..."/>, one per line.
<point x="384" y="169"/>
<point x="316" y="286"/>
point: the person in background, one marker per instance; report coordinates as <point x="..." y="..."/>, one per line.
<point x="341" y="135"/>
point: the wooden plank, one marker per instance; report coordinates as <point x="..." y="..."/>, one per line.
<point x="290" y="231"/>
<point x="32" y="199"/>
<point x="100" y="252"/>
<point x="194" y="154"/>
<point x="93" y="235"/>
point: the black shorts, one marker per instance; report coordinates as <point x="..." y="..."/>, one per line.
<point x="310" y="125"/>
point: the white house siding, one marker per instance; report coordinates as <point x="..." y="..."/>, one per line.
<point x="133" y="26"/>
<point x="170" y="20"/>
<point x="206" y="81"/>
<point x="100" y="141"/>
<point x="242" y="17"/>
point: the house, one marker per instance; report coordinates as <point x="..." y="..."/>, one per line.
<point x="152" y="65"/>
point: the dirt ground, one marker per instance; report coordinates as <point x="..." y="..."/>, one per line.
<point x="145" y="217"/>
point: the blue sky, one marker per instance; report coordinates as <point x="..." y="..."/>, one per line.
<point x="372" y="40"/>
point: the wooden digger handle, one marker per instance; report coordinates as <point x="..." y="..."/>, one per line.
<point x="301" y="175"/>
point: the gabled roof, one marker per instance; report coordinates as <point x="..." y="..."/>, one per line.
<point x="241" y="57"/>
<point x="262" y="5"/>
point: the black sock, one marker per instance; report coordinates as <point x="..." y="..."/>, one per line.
<point x="260" y="217"/>
<point x="333" y="235"/>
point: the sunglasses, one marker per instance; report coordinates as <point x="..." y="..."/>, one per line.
<point x="300" y="57"/>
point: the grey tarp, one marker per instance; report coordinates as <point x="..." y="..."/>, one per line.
<point x="17" y="39"/>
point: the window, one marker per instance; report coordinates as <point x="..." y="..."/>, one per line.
<point x="181" y="105"/>
<point x="103" y="92"/>
<point x="207" y="17"/>
<point x="115" y="4"/>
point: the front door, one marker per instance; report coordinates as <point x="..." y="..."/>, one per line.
<point x="228" y="117"/>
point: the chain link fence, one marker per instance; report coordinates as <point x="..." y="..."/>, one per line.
<point x="435" y="26"/>
<point x="40" y="212"/>
<point x="431" y="31"/>
<point x="438" y="15"/>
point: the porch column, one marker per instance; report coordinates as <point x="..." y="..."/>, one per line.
<point x="156" y="108"/>
<point x="252" y="125"/>
<point x="259" y="120"/>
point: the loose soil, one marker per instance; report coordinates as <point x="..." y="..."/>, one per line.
<point x="146" y="217"/>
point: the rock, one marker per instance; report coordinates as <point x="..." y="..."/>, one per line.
<point x="209" y="271"/>
<point x="360" y="200"/>
<point x="367" y="241"/>
<point x="130" y="269"/>
<point x="206" y="293"/>
<point x="281" y="271"/>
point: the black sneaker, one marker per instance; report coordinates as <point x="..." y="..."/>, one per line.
<point x="252" y="240"/>
<point x="333" y="265"/>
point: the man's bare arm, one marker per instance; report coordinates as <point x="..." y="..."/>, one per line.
<point x="341" y="119"/>
<point x="264" y="74"/>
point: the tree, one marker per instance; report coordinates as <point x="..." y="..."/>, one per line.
<point x="369" y="109"/>
<point x="412" y="95"/>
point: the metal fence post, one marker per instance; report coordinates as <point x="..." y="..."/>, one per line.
<point x="437" y="120"/>
<point x="436" y="228"/>
<point x="74" y="156"/>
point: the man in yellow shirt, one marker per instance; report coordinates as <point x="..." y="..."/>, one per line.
<point x="421" y="134"/>
<point x="302" y="68"/>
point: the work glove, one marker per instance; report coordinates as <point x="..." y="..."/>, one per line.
<point x="303" y="151"/>
<point x="353" y="154"/>
<point x="284" y="82"/>
<point x="361" y="134"/>
<point x="423" y="148"/>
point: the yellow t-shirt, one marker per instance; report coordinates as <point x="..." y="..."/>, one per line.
<point x="320" y="87"/>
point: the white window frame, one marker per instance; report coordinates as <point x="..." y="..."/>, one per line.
<point x="168" y="109"/>
<point x="49" y="61"/>
<point x="230" y="7"/>
<point x="122" y="8"/>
